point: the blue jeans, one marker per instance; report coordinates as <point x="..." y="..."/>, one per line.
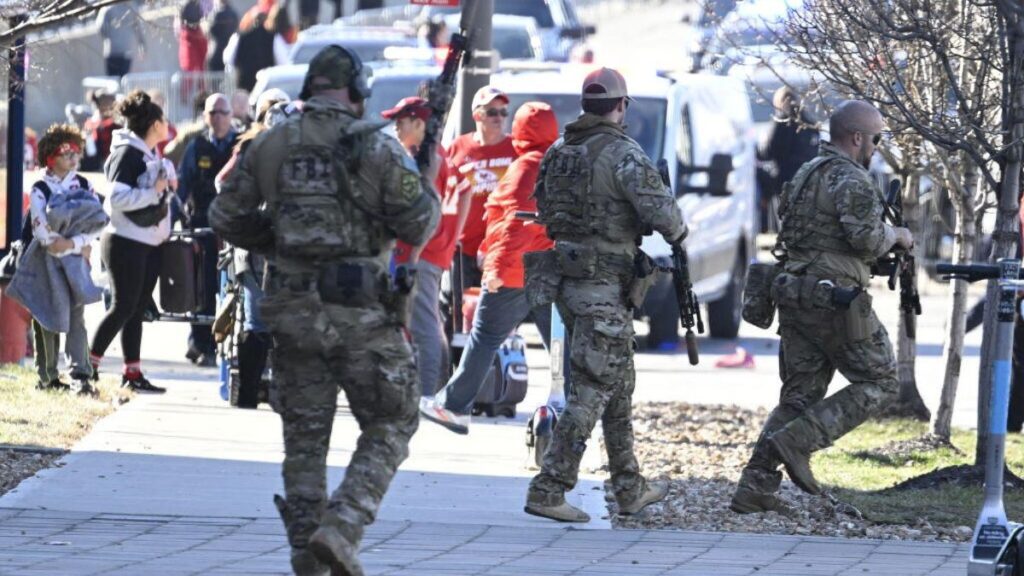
<point x="252" y="294"/>
<point x="497" y="314"/>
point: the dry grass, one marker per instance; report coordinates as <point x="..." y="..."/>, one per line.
<point x="35" y="418"/>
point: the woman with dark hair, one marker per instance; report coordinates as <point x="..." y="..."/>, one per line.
<point x="140" y="221"/>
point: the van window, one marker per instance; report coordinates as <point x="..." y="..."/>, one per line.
<point x="645" y="120"/>
<point x="684" y="146"/>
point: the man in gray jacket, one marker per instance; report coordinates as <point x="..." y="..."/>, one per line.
<point x="121" y="30"/>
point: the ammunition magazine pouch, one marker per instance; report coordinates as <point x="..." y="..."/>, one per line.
<point x="543" y="277"/>
<point x="645" y="274"/>
<point x="576" y="260"/>
<point x="814" y="294"/>
<point x="758" y="302"/>
<point x="346" y="284"/>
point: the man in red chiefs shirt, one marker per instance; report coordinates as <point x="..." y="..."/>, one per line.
<point x="410" y="116"/>
<point x="480" y="159"/>
<point x="503" y="302"/>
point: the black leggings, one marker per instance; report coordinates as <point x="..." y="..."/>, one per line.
<point x="134" y="268"/>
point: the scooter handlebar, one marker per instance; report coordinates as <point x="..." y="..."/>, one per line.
<point x="969" y="272"/>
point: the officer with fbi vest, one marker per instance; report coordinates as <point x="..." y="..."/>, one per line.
<point x="324" y="195"/>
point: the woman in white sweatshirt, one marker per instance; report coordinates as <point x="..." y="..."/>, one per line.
<point x="140" y="222"/>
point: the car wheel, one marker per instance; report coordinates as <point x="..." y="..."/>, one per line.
<point x="725" y="314"/>
<point x="662" y="310"/>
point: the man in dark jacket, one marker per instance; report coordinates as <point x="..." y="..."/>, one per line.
<point x="204" y="158"/>
<point x="223" y="23"/>
<point x="792" y="141"/>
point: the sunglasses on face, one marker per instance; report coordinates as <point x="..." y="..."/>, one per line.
<point x="495" y="112"/>
<point x="218" y="112"/>
<point x="876" y="139"/>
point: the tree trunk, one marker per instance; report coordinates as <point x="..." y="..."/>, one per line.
<point x="964" y="240"/>
<point x="1007" y="232"/>
<point x="909" y="404"/>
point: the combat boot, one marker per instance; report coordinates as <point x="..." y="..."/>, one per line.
<point x="304" y="563"/>
<point x="747" y="501"/>
<point x="796" y="457"/>
<point x="653" y="492"/>
<point x="330" y="546"/>
<point x="561" y="511"/>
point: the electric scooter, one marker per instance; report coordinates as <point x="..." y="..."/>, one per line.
<point x="997" y="548"/>
<point x="541" y="426"/>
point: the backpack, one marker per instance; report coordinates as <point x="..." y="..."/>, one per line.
<point x="317" y="216"/>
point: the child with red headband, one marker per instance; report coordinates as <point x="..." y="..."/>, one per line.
<point x="60" y="151"/>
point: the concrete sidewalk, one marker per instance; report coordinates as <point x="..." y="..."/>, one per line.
<point x="182" y="484"/>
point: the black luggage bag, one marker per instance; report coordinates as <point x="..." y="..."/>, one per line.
<point x="182" y="286"/>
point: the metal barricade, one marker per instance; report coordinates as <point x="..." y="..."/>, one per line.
<point x="180" y="89"/>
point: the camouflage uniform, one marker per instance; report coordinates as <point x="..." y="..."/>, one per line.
<point x="832" y="230"/>
<point x="335" y="321"/>
<point x="597" y="193"/>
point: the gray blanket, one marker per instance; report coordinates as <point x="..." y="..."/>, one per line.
<point x="50" y="287"/>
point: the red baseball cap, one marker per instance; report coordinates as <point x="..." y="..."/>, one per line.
<point x="411" y="106"/>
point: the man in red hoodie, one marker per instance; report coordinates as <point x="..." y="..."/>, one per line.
<point x="410" y="116"/>
<point x="502" y="304"/>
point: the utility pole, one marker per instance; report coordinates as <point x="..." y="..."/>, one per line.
<point x="476" y="72"/>
<point x="15" y="136"/>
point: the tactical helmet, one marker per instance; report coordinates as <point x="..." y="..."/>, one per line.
<point x="341" y="68"/>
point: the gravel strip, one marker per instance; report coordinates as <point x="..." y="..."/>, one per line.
<point x="16" y="465"/>
<point x="702" y="450"/>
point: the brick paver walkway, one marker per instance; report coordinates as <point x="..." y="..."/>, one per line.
<point x="72" y="544"/>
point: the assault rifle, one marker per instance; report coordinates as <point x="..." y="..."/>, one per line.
<point x="901" y="264"/>
<point x="440" y="97"/>
<point x="689" y="307"/>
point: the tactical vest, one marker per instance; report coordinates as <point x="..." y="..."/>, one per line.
<point x="317" y="216"/>
<point x="568" y="204"/>
<point x="804" y="224"/>
<point x="209" y="162"/>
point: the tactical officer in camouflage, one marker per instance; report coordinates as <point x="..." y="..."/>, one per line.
<point x="831" y="232"/>
<point x="597" y="193"/>
<point x="323" y="195"/>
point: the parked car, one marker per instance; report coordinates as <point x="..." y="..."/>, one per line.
<point x="753" y="26"/>
<point x="686" y="120"/>
<point x="514" y="37"/>
<point x="390" y="83"/>
<point x="557" y="22"/>
<point x="368" y="43"/>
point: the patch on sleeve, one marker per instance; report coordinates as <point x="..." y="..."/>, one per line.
<point x="410" y="186"/>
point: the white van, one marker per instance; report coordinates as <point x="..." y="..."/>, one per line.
<point x="685" y="119"/>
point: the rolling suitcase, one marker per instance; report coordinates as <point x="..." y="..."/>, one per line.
<point x="506" y="383"/>
<point x="181" y="279"/>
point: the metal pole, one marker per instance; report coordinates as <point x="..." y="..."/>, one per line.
<point x="992" y="532"/>
<point x="476" y="72"/>
<point x="15" y="136"/>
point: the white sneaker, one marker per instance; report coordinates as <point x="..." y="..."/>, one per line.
<point x="434" y="411"/>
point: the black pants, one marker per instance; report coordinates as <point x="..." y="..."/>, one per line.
<point x="465" y="274"/>
<point x="201" y="337"/>
<point x="118" y="65"/>
<point x="134" y="268"/>
<point x="1015" y="417"/>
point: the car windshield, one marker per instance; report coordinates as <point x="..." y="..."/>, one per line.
<point x="536" y="9"/>
<point x="387" y="91"/>
<point x="645" y="120"/>
<point x="513" y="43"/>
<point x="368" y="50"/>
